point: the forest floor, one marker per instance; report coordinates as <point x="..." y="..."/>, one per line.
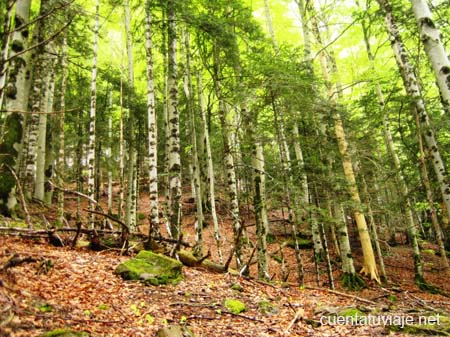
<point x="76" y="288"/>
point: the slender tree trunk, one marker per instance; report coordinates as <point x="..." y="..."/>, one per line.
<point x="195" y="157"/>
<point x="131" y="197"/>
<point x="60" y="164"/>
<point x="414" y="92"/>
<point x="16" y="99"/>
<point x="173" y="124"/>
<point x="108" y="155"/>
<point x="92" y="120"/>
<point x="259" y="200"/>
<point x="210" y="168"/>
<point x="434" y="48"/>
<point x="6" y="39"/>
<point x="121" y="149"/>
<point x="152" y="130"/>
<point x="49" y="158"/>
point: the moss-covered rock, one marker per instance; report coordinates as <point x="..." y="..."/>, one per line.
<point x="268" y="308"/>
<point x="235" y="306"/>
<point x="151" y="268"/>
<point x="65" y="333"/>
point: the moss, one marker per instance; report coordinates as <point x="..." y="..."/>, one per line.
<point x="235" y="306"/>
<point x="351" y="312"/>
<point x="268" y="308"/>
<point x="237" y="287"/>
<point x="151" y="268"/>
<point x="429" y="251"/>
<point x="65" y="333"/>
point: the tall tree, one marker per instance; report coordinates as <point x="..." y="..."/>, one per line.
<point x="174" y="158"/>
<point x="16" y="102"/>
<point x="369" y="264"/>
<point x="152" y="128"/>
<point x="434" y="48"/>
<point x="92" y="119"/>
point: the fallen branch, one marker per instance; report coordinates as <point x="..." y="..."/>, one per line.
<point x="298" y="315"/>
<point x="16" y="260"/>
<point x="112" y="218"/>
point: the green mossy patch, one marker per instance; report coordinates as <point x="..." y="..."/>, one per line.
<point x="235" y="306"/>
<point x="351" y="312"/>
<point x="268" y="308"/>
<point x="151" y="268"/>
<point x="65" y="333"/>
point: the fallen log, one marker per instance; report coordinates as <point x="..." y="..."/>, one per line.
<point x="189" y="260"/>
<point x="18" y="231"/>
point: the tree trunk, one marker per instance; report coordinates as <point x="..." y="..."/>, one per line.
<point x="259" y="201"/>
<point x="210" y="166"/>
<point x="173" y="125"/>
<point x="131" y="197"/>
<point x="92" y="120"/>
<point x="434" y="48"/>
<point x="5" y="42"/>
<point x="61" y="165"/>
<point x="152" y="130"/>
<point x="198" y="251"/>
<point x="16" y="99"/>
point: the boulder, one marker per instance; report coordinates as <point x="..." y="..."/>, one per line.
<point x="151" y="268"/>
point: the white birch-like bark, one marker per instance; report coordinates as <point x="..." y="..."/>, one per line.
<point x="17" y="92"/>
<point x="434" y="48"/>
<point x="195" y="157"/>
<point x="131" y="197"/>
<point x="90" y="155"/>
<point x="259" y="200"/>
<point x="109" y="159"/>
<point x="173" y="125"/>
<point x="121" y="147"/>
<point x="46" y="107"/>
<point x="210" y="166"/>
<point x="152" y="129"/>
<point x="413" y="90"/>
<point x="5" y="43"/>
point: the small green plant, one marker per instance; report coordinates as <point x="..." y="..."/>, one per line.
<point x="103" y="307"/>
<point x="46" y="308"/>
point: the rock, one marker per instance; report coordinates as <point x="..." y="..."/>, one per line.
<point x="175" y="331"/>
<point x="65" y="333"/>
<point x="235" y="306"/>
<point x="151" y="268"/>
<point x="268" y="308"/>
